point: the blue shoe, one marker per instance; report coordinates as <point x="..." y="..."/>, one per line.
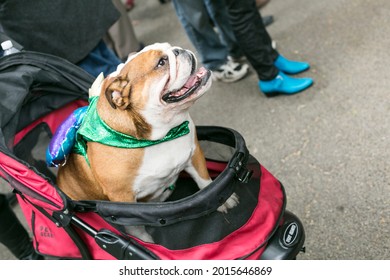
<point x="289" y="66"/>
<point x="284" y="84"/>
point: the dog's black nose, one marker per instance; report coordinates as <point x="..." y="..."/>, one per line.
<point x="177" y="51"/>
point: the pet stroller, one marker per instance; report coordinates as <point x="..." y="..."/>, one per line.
<point x="39" y="91"/>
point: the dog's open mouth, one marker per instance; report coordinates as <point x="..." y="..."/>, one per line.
<point x="193" y="83"/>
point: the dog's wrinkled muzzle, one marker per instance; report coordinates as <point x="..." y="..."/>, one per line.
<point x="193" y="84"/>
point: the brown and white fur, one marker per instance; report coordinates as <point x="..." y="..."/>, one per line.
<point x="146" y="97"/>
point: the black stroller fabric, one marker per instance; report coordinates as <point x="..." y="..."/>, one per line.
<point x="33" y="85"/>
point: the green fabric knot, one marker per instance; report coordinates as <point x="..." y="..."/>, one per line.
<point x="94" y="129"/>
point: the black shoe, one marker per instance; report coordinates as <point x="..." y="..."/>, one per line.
<point x="267" y="20"/>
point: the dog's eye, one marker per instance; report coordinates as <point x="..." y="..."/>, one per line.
<point x="162" y="61"/>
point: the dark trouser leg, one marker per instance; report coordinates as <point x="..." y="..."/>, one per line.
<point x="12" y="233"/>
<point x="219" y="15"/>
<point x="252" y="37"/>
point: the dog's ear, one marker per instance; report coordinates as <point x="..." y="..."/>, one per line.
<point x="118" y="92"/>
<point x="94" y="90"/>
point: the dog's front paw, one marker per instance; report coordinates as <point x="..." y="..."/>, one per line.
<point x="231" y="202"/>
<point x="139" y="232"/>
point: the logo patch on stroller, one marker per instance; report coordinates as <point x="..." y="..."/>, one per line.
<point x="290" y="235"/>
<point x="45" y="232"/>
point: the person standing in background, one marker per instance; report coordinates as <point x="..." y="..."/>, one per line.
<point x="121" y="36"/>
<point x="198" y="19"/>
<point x="73" y="30"/>
<point x="272" y="69"/>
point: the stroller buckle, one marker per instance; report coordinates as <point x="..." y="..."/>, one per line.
<point x="242" y="173"/>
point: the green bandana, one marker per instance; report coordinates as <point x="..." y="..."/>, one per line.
<point x="94" y="129"/>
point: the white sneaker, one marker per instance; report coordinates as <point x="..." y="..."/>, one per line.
<point x="230" y="72"/>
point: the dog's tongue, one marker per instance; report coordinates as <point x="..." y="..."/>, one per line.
<point x="191" y="81"/>
<point x="189" y="87"/>
<point x="194" y="78"/>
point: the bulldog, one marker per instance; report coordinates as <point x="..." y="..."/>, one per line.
<point x="137" y="135"/>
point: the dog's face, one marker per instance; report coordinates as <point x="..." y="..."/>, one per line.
<point x="158" y="81"/>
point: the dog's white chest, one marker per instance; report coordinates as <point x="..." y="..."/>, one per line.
<point x="161" y="166"/>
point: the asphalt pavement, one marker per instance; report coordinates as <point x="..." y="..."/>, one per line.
<point x="329" y="145"/>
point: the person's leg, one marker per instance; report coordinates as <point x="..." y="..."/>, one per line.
<point x="219" y="15"/>
<point x="13" y="235"/>
<point x="211" y="50"/>
<point x="100" y="60"/>
<point x="195" y="21"/>
<point x="121" y="36"/>
<point x="256" y="43"/>
<point x="253" y="37"/>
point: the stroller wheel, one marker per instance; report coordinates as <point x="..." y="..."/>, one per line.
<point x="287" y="241"/>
